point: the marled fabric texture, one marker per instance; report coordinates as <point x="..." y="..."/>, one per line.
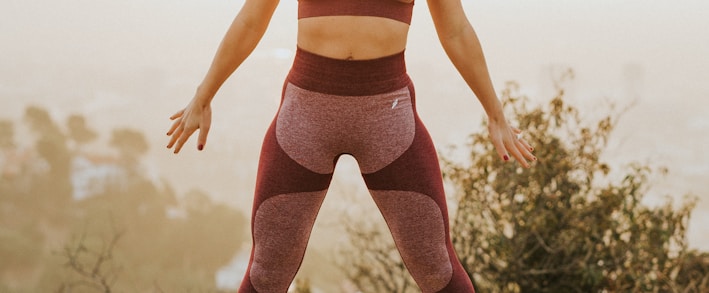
<point x="374" y="129"/>
<point x="333" y="107"/>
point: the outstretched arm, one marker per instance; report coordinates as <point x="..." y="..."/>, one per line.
<point x="241" y="38"/>
<point x="462" y="46"/>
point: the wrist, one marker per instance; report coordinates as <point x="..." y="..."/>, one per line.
<point x="203" y="96"/>
<point x="496" y="120"/>
<point x="495" y="113"/>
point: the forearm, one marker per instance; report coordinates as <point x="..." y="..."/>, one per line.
<point x="240" y="40"/>
<point x="466" y="54"/>
<point x="462" y="46"/>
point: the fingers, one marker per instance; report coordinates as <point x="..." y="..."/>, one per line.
<point x="183" y="139"/>
<point x="525" y="151"/>
<point x="517" y="152"/>
<point x="178" y="132"/>
<point x="526" y="146"/>
<point x="511" y="146"/>
<point x="174" y="127"/>
<point x="175" y="134"/>
<point x="501" y="149"/>
<point x="204" y="130"/>
<point x="185" y="124"/>
<point x="177" y="115"/>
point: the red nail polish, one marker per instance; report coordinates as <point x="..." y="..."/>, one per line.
<point x="200" y="147"/>
<point x="506" y="158"/>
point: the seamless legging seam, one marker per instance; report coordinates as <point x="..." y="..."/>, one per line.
<point x="366" y="109"/>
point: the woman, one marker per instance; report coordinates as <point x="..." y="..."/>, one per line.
<point x="348" y="93"/>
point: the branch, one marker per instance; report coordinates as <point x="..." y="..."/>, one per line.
<point x="92" y="275"/>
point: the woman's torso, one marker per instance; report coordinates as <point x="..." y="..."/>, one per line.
<point x="355" y="37"/>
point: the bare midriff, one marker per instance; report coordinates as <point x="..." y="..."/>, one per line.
<point x="352" y="37"/>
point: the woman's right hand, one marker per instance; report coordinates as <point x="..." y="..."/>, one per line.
<point x="197" y="115"/>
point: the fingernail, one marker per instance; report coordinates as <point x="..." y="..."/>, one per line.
<point x="535" y="158"/>
<point x="531" y="149"/>
<point x="200" y="147"/>
<point x="506" y="158"/>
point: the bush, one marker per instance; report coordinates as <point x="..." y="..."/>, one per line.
<point x="566" y="225"/>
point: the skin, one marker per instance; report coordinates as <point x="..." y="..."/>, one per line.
<point x="352" y="37"/>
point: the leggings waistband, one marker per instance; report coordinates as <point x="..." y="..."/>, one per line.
<point x="348" y="77"/>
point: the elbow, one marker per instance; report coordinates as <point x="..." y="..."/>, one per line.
<point x="463" y="39"/>
<point x="253" y="25"/>
<point x="256" y="15"/>
<point x="450" y="35"/>
<point x="456" y="35"/>
<point x="452" y="44"/>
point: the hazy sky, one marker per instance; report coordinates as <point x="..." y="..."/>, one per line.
<point x="133" y="63"/>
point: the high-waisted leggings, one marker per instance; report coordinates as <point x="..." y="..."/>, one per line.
<point x="366" y="109"/>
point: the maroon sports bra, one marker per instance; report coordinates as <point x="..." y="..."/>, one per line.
<point x="399" y="10"/>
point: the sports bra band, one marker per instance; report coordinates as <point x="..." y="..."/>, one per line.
<point x="399" y="10"/>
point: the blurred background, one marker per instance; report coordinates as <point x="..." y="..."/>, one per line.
<point x="86" y="89"/>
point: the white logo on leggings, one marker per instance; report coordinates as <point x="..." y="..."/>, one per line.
<point x="396" y="102"/>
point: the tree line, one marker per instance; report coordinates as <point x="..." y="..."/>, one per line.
<point x="78" y="213"/>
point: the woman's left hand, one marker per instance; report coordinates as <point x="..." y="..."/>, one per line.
<point x="509" y="141"/>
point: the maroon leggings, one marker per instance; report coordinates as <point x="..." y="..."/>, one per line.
<point x="366" y="109"/>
